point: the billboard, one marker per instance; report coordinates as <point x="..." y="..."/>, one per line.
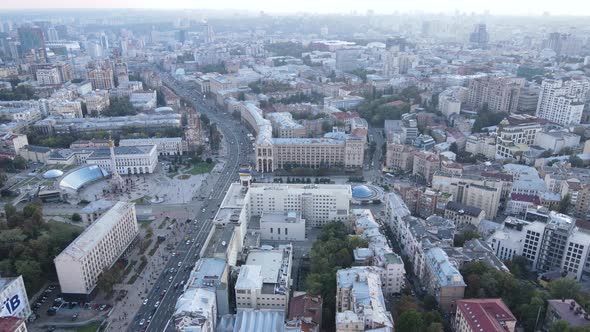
<point x="13" y="303"/>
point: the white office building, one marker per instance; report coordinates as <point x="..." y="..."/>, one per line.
<point x="95" y="250"/>
<point x="167" y="146"/>
<point x="195" y="310"/>
<point x="562" y="102"/>
<point x="282" y="226"/>
<point x="264" y="281"/>
<point x="141" y="159"/>
<point x="556" y="245"/>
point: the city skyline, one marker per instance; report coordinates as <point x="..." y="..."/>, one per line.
<point x="563" y="8"/>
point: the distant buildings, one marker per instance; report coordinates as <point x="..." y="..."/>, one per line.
<point x="479" y="37"/>
<point x="166" y="146"/>
<point x="95" y="250"/>
<point x="561" y="101"/>
<point x="476" y="315"/>
<point x="500" y="94"/>
<point x="100" y="74"/>
<point x="11" y="144"/>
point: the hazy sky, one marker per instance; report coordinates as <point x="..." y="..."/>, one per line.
<point x="534" y="7"/>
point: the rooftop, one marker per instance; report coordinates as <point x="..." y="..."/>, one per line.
<point x="92" y="235"/>
<point x="565" y="311"/>
<point x="487" y="315"/>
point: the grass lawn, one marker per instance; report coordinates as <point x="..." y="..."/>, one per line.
<point x="201" y="168"/>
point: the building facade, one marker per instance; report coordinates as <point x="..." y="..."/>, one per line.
<point x="80" y="265"/>
<point x="562" y="102"/>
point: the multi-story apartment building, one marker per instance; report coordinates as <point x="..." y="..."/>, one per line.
<point x="360" y="304"/>
<point x="96" y="102"/>
<point x="476" y="315"/>
<point x="500" y="94"/>
<point x="464" y="214"/>
<point x="425" y="164"/>
<point x="53" y="125"/>
<point x="515" y="134"/>
<point x="379" y="253"/>
<point x="100" y="245"/>
<point x="561" y="101"/>
<point x="48" y="76"/>
<point x="555" y="245"/>
<point x="476" y="191"/>
<point x="481" y="144"/>
<point x="11" y="144"/>
<point x="167" y="146"/>
<point x="399" y="156"/>
<point x="444" y="281"/>
<point x="100" y="74"/>
<point x="284" y="126"/>
<point x="264" y="281"/>
<point x="66" y="109"/>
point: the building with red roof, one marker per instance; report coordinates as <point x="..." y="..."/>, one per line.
<point x="305" y="312"/>
<point x="12" y="324"/>
<point x="483" y="315"/>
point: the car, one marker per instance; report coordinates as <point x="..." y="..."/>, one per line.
<point x="141" y="322"/>
<point x="179" y="264"/>
<point x="172" y="270"/>
<point x="157" y="304"/>
<point x="175" y="285"/>
<point x="75" y="316"/>
<point x="102" y="307"/>
<point x="145" y="301"/>
<point x="174" y="254"/>
<point x="170" y="279"/>
<point x="203" y="210"/>
<point x="187" y="242"/>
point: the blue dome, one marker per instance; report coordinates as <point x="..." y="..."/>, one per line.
<point x="362" y="192"/>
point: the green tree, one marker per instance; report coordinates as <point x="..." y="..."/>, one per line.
<point x="31" y="272"/>
<point x="120" y="107"/>
<point x="160" y="98"/>
<point x="576" y="161"/>
<point x="19" y="162"/>
<point x="410" y="321"/>
<point x="76" y="217"/>
<point x="559" y="326"/>
<point x="466" y="235"/>
<point x="564" y="204"/>
<point x="564" y="288"/>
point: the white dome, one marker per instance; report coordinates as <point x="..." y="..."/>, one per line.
<point x="52" y="174"/>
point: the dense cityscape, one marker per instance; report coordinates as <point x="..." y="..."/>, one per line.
<point x="209" y="170"/>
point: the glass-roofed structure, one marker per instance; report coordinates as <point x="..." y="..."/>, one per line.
<point x="81" y="176"/>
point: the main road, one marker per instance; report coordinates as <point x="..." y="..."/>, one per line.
<point x="168" y="286"/>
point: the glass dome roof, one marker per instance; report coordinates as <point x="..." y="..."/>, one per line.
<point x="79" y="177"/>
<point x="52" y="174"/>
<point x="362" y="191"/>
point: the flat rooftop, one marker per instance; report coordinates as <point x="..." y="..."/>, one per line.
<point x="92" y="235"/>
<point x="222" y="235"/>
<point x="270" y="260"/>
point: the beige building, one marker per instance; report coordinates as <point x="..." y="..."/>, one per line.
<point x="167" y="146"/>
<point x="11" y="144"/>
<point x="284" y="126"/>
<point x="483" y="193"/>
<point x="101" y="76"/>
<point x="48" y="76"/>
<point x="97" y="101"/>
<point x="425" y="164"/>
<point x="444" y="281"/>
<point x="399" y="156"/>
<point x="515" y="134"/>
<point x="80" y="265"/>
<point x="500" y="94"/>
<point x="481" y="144"/>
<point x="66" y="109"/>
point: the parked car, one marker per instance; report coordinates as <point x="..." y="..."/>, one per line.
<point x="141" y="322"/>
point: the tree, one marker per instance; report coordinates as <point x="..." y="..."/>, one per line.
<point x="160" y="98"/>
<point x="76" y="217"/>
<point x="205" y="120"/>
<point x="410" y="321"/>
<point x="19" y="162"/>
<point x="559" y="326"/>
<point x="564" y="204"/>
<point x="120" y="107"/>
<point x="241" y="96"/>
<point x="576" y="161"/>
<point x="466" y="235"/>
<point x="564" y="288"/>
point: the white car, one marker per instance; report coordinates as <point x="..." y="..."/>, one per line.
<point x="145" y="301"/>
<point x="157" y="304"/>
<point x="179" y="264"/>
<point x="141" y="322"/>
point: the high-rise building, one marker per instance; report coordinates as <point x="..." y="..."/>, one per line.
<point x="479" y="36"/>
<point x="80" y="264"/>
<point x="31" y="39"/>
<point x="104" y="41"/>
<point x="561" y="101"/>
<point x="500" y="94"/>
<point x="100" y="74"/>
<point x="208" y="34"/>
<point x="347" y="59"/>
<point x="563" y="44"/>
<point x="52" y="35"/>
